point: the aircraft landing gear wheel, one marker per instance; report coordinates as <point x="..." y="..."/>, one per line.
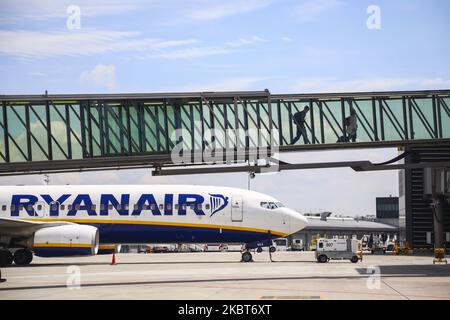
<point x="6" y="258"/>
<point x="23" y="257"/>
<point x="259" y="250"/>
<point x="247" y="257"/>
<point x="354" y="259"/>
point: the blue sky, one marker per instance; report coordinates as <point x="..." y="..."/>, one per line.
<point x="286" y="46"/>
<point x="175" y="45"/>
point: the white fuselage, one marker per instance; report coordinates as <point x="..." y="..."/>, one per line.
<point x="156" y="213"/>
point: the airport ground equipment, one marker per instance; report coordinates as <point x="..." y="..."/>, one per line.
<point x="376" y="244"/>
<point x="360" y="250"/>
<point x="337" y="249"/>
<point x="439" y="256"/>
<point x="402" y="248"/>
<point x="297" y="245"/>
<point x="313" y="245"/>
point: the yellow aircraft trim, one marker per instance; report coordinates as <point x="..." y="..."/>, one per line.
<point x="107" y="246"/>
<point x="160" y="223"/>
<point x="62" y="245"/>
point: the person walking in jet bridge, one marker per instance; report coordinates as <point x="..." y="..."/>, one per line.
<point x="352" y="125"/>
<point x="299" y="120"/>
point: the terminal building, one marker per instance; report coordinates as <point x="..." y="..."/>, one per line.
<point x="387" y="210"/>
<point x="416" y="213"/>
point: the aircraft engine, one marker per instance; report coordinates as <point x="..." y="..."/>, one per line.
<point x="66" y="240"/>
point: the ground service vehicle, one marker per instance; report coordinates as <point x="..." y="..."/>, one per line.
<point x="337" y="249"/>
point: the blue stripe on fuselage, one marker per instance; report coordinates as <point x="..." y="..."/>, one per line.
<point x="135" y="233"/>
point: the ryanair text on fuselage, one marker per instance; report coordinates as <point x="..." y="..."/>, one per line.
<point x="172" y="204"/>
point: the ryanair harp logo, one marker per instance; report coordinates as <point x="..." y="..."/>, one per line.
<point x="218" y="202"/>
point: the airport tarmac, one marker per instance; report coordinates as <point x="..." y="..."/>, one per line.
<point x="210" y="275"/>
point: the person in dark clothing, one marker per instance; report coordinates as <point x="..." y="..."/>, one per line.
<point x="299" y="120"/>
<point x="352" y="126"/>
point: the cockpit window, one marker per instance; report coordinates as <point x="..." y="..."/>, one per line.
<point x="271" y="205"/>
<point x="265" y="205"/>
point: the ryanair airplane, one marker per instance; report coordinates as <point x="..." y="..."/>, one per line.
<point x="56" y="221"/>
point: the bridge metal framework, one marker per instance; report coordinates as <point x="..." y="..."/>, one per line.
<point x="80" y="131"/>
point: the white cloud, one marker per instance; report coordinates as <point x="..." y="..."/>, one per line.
<point x="204" y="51"/>
<point x="222" y="9"/>
<point x="101" y="75"/>
<point x="286" y="39"/>
<point x="368" y="85"/>
<point x="192" y="52"/>
<point x="43" y="10"/>
<point x="29" y="44"/>
<point x="245" y="41"/>
<point x="17" y="11"/>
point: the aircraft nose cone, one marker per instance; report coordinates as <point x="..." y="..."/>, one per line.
<point x="298" y="222"/>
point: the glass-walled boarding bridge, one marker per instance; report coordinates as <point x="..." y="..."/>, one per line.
<point x="38" y="132"/>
